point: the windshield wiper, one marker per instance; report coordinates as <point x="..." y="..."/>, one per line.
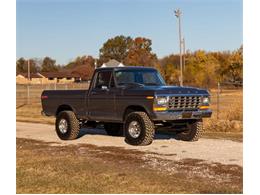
<point x="151" y="83"/>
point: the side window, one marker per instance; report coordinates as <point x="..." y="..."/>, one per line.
<point x="103" y="79"/>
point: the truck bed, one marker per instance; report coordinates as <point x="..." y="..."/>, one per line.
<point x="53" y="99"/>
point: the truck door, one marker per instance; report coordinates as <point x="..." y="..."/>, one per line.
<point x="101" y="99"/>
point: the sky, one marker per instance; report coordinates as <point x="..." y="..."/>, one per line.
<point x="65" y="29"/>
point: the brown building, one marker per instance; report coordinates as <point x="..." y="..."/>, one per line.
<point x="48" y="77"/>
<point x="60" y="77"/>
<point x="35" y="78"/>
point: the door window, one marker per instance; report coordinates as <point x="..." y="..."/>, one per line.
<point x="103" y="79"/>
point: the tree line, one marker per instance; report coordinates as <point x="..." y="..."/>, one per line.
<point x="201" y="68"/>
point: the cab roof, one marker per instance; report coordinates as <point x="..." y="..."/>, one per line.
<point x="126" y="68"/>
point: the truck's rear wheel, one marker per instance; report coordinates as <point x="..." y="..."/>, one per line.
<point x="193" y="132"/>
<point x="114" y="129"/>
<point x="67" y="125"/>
<point x="139" y="129"/>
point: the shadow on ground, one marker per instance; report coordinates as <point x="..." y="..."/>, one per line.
<point x="101" y="131"/>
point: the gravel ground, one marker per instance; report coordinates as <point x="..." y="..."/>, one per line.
<point x="164" y="146"/>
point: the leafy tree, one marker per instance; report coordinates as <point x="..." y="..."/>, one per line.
<point x="115" y="48"/>
<point x="22" y="65"/>
<point x="48" y="65"/>
<point x="140" y="53"/>
<point x="83" y="60"/>
<point x="231" y="65"/>
<point x="200" y="69"/>
<point x="85" y="72"/>
<point x="171" y="59"/>
<point x="83" y="66"/>
<point x="171" y="74"/>
<point x="235" y="68"/>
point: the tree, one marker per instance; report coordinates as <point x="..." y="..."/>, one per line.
<point x="83" y="66"/>
<point x="115" y="48"/>
<point x="231" y="66"/>
<point x="85" y="72"/>
<point x="22" y="65"/>
<point x="201" y="69"/>
<point x="171" y="74"/>
<point x="140" y="53"/>
<point x="235" y="68"/>
<point x="79" y="61"/>
<point x="48" y="65"/>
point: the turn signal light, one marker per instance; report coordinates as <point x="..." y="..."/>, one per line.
<point x="149" y="97"/>
<point x="159" y="108"/>
<point x="204" y="107"/>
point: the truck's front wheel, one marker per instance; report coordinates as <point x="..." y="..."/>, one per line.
<point x="67" y="125"/>
<point x="193" y="132"/>
<point x="139" y="129"/>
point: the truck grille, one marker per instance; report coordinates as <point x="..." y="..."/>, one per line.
<point x="184" y="102"/>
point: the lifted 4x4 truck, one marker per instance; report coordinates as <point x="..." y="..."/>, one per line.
<point x="131" y="101"/>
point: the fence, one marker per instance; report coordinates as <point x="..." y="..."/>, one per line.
<point x="30" y="94"/>
<point x="225" y="103"/>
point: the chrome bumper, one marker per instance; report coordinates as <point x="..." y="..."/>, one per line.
<point x="181" y="115"/>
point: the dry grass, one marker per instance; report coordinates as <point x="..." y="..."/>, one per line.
<point x="230" y="104"/>
<point x="44" y="168"/>
<point x="230" y="116"/>
<point x="32" y="113"/>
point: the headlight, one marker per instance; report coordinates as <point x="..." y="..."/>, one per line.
<point x="161" y="101"/>
<point x="205" y="100"/>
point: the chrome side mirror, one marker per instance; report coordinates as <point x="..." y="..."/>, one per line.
<point x="104" y="87"/>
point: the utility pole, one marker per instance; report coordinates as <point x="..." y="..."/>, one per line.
<point x="28" y="70"/>
<point x="184" y="53"/>
<point x="28" y="86"/>
<point x="178" y="15"/>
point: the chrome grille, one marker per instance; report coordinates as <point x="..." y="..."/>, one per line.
<point x="184" y="102"/>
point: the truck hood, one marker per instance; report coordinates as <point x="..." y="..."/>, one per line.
<point x="165" y="90"/>
<point x="178" y="90"/>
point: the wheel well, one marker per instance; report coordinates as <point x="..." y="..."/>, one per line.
<point x="63" y="108"/>
<point x="130" y="109"/>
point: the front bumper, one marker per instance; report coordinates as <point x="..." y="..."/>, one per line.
<point x="181" y="115"/>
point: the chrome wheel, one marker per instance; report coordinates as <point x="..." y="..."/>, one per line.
<point x="63" y="126"/>
<point x="134" y="129"/>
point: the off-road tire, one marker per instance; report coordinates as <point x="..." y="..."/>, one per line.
<point x="73" y="125"/>
<point x="114" y="129"/>
<point x="147" y="129"/>
<point x="194" y="132"/>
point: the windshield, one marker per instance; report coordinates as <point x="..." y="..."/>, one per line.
<point x="148" y="77"/>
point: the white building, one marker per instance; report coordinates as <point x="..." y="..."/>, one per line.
<point x="112" y="63"/>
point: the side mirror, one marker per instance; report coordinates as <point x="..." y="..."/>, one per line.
<point x="104" y="87"/>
